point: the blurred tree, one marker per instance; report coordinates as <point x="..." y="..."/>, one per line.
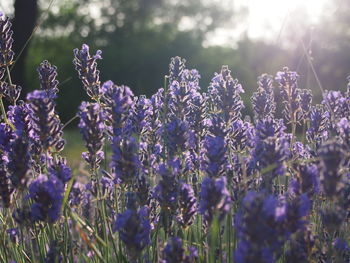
<point x="23" y="25"/>
<point x="137" y="37"/>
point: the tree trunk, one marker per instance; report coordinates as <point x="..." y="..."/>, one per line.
<point x="23" y="25"/>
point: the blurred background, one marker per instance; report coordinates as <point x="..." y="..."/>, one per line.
<point x="138" y="38"/>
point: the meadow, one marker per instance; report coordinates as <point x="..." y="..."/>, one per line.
<point x="180" y="176"/>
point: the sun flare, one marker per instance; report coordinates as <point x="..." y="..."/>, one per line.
<point x="271" y="14"/>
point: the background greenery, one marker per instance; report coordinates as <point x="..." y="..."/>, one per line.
<point x="138" y="38"/>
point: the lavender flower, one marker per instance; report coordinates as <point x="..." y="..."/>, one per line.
<point x="269" y="127"/>
<point x="214" y="199"/>
<point x="47" y="126"/>
<point x="60" y="169"/>
<point x="107" y="185"/>
<point x="343" y="249"/>
<point x="258" y="229"/>
<point x="125" y="162"/>
<point x="47" y="196"/>
<point x="143" y="190"/>
<point x="262" y="105"/>
<point x="263" y="100"/>
<point x="177" y="137"/>
<point x="292" y="212"/>
<point x="19" y="161"/>
<point x="305" y="102"/>
<point x="343" y="129"/>
<point x="191" y="77"/>
<point x="6" y="40"/>
<point x="6" y="136"/>
<point x="21" y="116"/>
<point x="92" y="129"/>
<point x="166" y="192"/>
<point x="141" y="114"/>
<point x="332" y="160"/>
<point x="134" y="230"/>
<point x="86" y="66"/>
<point x="214" y="156"/>
<point x="10" y="92"/>
<point x="187" y="205"/>
<point x="239" y="135"/>
<point x="13" y="234"/>
<point x="179" y="100"/>
<point x="47" y="78"/>
<point x="216" y="126"/>
<point x="176" y="68"/>
<point x="319" y="124"/>
<point x="224" y="92"/>
<point x="335" y="102"/>
<point x="175" y="253"/>
<point x="302" y="247"/>
<point x="76" y="194"/>
<point x="198" y="113"/>
<point x="117" y="101"/>
<point x="290" y="93"/>
<point x="268" y="157"/>
<point x="5" y="186"/>
<point x="306" y="181"/>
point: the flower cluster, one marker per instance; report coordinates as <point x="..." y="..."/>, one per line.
<point x="182" y="176"/>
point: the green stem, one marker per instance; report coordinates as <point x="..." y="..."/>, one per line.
<point x="9" y="76"/>
<point x="4" y="115"/>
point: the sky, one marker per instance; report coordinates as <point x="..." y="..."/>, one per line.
<point x="266" y="19"/>
<point x="272" y="13"/>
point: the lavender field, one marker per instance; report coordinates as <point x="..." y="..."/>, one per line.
<point x="181" y="176"/>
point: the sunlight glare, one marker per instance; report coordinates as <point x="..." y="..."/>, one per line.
<point x="266" y="15"/>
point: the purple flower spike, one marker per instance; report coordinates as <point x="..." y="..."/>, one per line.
<point x="86" y="66"/>
<point x="336" y="103"/>
<point x="19" y="161"/>
<point x="305" y="102"/>
<point x="177" y="137"/>
<point x="290" y="94"/>
<point x="187" y="206"/>
<point x="5" y="185"/>
<point x="176" y="68"/>
<point x="214" y="156"/>
<point x="166" y="192"/>
<point x="118" y="101"/>
<point x="92" y="129"/>
<point x="141" y="114"/>
<point x="319" y="125"/>
<point x="224" y="93"/>
<point x="47" y="196"/>
<point x="332" y="160"/>
<point x="260" y="238"/>
<point x="21" y="116"/>
<point x="125" y="162"/>
<point x="214" y="199"/>
<point x="307" y="181"/>
<point x="134" y="230"/>
<point x="263" y="100"/>
<point x="6" y="41"/>
<point x="47" y="126"/>
<point x="174" y="252"/>
<point x="47" y="77"/>
<point x="60" y="169"/>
